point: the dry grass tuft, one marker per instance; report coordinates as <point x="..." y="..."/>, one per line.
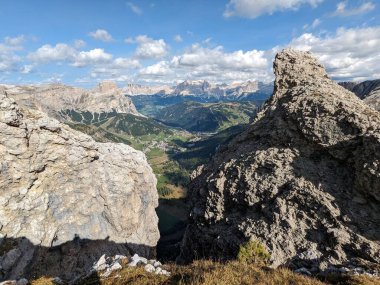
<point x="238" y="273"/>
<point x="204" y="272"/>
<point x="42" y="281"/>
<point x="351" y="280"/>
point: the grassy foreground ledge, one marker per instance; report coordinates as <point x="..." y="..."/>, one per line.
<point x="206" y="272"/>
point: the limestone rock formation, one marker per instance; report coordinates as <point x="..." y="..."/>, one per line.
<point x="107" y="86"/>
<point x="235" y="90"/>
<point x="137" y="89"/>
<point x="64" y="196"/>
<point x="303" y="179"/>
<point x="53" y="98"/>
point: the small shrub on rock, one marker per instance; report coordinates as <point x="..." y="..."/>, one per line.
<point x="253" y="251"/>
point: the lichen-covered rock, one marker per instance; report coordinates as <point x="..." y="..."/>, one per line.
<point x="303" y="179"/>
<point x="59" y="188"/>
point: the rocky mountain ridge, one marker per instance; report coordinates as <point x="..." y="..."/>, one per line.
<point x="138" y="89"/>
<point x="368" y="90"/>
<point x="54" y="98"/>
<point x="362" y="89"/>
<point x="66" y="199"/>
<point x="303" y="179"/>
<point x="202" y="88"/>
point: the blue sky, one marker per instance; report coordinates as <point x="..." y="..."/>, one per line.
<point x="162" y="42"/>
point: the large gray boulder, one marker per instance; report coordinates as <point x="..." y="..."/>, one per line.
<point x="65" y="197"/>
<point x="303" y="179"/>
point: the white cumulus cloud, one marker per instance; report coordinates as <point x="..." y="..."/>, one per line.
<point x="238" y="60"/>
<point x="161" y="68"/>
<point x="213" y="64"/>
<point x="65" y="53"/>
<point x="126" y="63"/>
<point x="347" y="54"/>
<point x="101" y="35"/>
<point x="253" y="9"/>
<point x="47" y="53"/>
<point x="94" y="56"/>
<point x="148" y="48"/>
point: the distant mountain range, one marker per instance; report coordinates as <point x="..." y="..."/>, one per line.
<point x="368" y="90"/>
<point x="236" y="90"/>
<point x="195" y="106"/>
<point x="363" y="89"/>
<point x="56" y="99"/>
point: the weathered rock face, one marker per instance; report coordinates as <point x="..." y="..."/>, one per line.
<point x="54" y="98"/>
<point x="304" y="179"/>
<point x="59" y="188"/>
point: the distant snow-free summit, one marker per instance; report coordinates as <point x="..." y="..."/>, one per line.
<point x="235" y="90"/>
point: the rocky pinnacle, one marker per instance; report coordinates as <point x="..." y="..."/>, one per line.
<point x="303" y="179"/>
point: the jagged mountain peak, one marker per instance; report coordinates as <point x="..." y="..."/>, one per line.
<point x="107" y="86"/>
<point x="293" y="68"/>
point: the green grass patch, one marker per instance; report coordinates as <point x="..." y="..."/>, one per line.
<point x="253" y="252"/>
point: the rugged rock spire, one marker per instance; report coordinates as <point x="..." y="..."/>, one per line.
<point x="66" y="199"/>
<point x="303" y="179"/>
